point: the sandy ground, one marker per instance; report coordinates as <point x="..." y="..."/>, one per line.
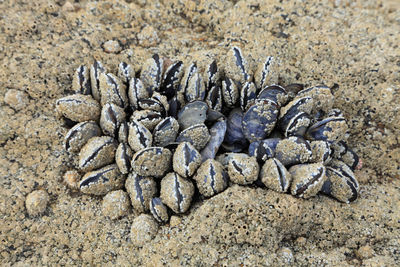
<point x="352" y="43"/>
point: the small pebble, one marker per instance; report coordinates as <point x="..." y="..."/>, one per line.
<point x="112" y="46"/>
<point x="365" y="252"/>
<point x="175" y="221"/>
<point x="16" y="99"/>
<point x="116" y="204"/>
<point x="36" y="202"/>
<point x="144" y="228"/>
<point x="148" y="37"/>
<point x="71" y="179"/>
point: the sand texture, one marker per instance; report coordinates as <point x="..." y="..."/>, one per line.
<point x="354" y="44"/>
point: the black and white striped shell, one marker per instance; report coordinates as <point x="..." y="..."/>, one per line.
<point x="111" y="117"/>
<point x="159" y="210"/>
<point x="101" y="181"/>
<point x="81" y="81"/>
<point x="152" y="73"/>
<point x="141" y="190"/>
<point x="176" y="192"/>
<point x="80" y="134"/>
<point x="96" y="69"/>
<point x="125" y="72"/>
<point x="139" y="136"/>
<point x="136" y="91"/>
<point x="112" y="90"/>
<point x="98" y="152"/>
<point x="275" y="93"/>
<point x="341" y="183"/>
<point x="307" y="179"/>
<point x="186" y="160"/>
<point x="264" y="149"/>
<point x="123" y="158"/>
<point x="149" y="118"/>
<point x="275" y="176"/>
<point x="211" y="178"/>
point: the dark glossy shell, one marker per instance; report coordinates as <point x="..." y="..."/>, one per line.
<point x="297" y="125"/>
<point x="212" y="75"/>
<point x="259" y="120"/>
<point x="292" y="109"/>
<point x="192" y="113"/>
<point x="217" y="134"/>
<point x="235" y="140"/>
<point x="264" y="149"/>
<point x="148" y="118"/>
<point x="214" y="98"/>
<point x="276" y="93"/>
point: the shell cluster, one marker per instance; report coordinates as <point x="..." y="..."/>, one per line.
<point x="168" y="132"/>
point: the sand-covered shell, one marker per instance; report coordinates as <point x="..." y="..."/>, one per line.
<point x="151" y="74"/>
<point x="242" y="169"/>
<point x="80" y="134"/>
<point x="214" y="98"/>
<point x="152" y="161"/>
<point x="141" y="190"/>
<point x="176" y="192"/>
<point x="165" y="132"/>
<point x="96" y="69"/>
<point x="275" y="176"/>
<point x="248" y="95"/>
<point x="230" y="92"/>
<point x="98" y="152"/>
<point x="293" y="150"/>
<point x="198" y="135"/>
<point x="259" y="120"/>
<point x="136" y="91"/>
<point x="321" y="152"/>
<point x="159" y="210"/>
<point x="81" y="81"/>
<point x="123" y="132"/>
<point x="149" y="118"/>
<point x="331" y="129"/>
<point x="139" y="136"/>
<point x="266" y="73"/>
<point x="236" y="66"/>
<point x="196" y="89"/>
<point x="102" y="181"/>
<point x="125" y="72"/>
<point x="186" y="159"/>
<point x="78" y="108"/>
<point x="123" y="157"/>
<point x="307" y="179"/>
<point x="112" y="90"/>
<point x="211" y="178"/>
<point x="322" y="97"/>
<point x="341" y="182"/>
<point x="111" y="117"/>
<point x="172" y="79"/>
